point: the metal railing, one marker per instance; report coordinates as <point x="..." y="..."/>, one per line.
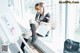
<point x="28" y="49"/>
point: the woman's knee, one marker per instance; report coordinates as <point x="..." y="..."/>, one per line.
<point x="31" y="21"/>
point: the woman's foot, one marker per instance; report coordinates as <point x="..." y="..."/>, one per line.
<point x="22" y="51"/>
<point x="19" y="52"/>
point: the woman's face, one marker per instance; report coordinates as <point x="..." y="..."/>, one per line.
<point x="38" y="8"/>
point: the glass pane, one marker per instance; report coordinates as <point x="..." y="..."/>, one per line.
<point x="73" y="22"/>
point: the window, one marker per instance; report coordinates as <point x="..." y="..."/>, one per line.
<point x="73" y="22"/>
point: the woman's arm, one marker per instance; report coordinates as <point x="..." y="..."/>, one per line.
<point x="46" y="18"/>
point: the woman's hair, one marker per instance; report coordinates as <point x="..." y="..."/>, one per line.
<point x="39" y="4"/>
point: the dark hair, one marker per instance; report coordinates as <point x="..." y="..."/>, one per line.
<point x="39" y="4"/>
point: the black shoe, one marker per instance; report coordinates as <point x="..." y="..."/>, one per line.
<point x="46" y="35"/>
<point x="22" y="51"/>
<point x="18" y="52"/>
<point x="39" y="35"/>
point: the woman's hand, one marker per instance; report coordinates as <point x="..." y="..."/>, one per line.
<point x="43" y="23"/>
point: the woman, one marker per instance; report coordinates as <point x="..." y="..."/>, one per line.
<point x="42" y="17"/>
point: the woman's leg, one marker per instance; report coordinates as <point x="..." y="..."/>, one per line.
<point x="33" y="25"/>
<point x="33" y="29"/>
<point x="22" y="45"/>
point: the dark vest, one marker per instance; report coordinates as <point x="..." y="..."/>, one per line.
<point x="45" y="17"/>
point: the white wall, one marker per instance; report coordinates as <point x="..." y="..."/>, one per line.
<point x="3" y="6"/>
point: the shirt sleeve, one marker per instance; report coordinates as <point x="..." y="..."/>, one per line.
<point x="46" y="18"/>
